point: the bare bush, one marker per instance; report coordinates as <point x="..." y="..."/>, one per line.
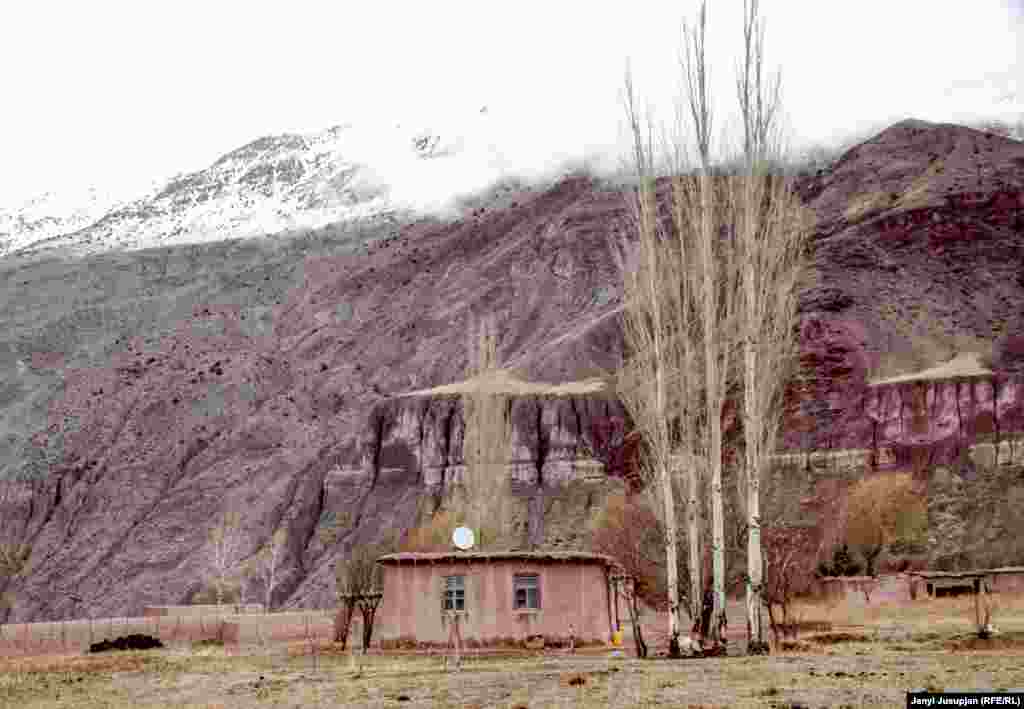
<point x="883" y="510"/>
<point x="13" y="559"/>
<point x="789" y="572"/>
<point x="360" y="584"/>
<point x="626" y="529"/>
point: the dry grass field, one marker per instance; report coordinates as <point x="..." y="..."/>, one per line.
<point x="869" y="657"/>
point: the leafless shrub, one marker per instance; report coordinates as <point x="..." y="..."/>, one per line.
<point x="882" y="510"/>
<point x="789" y="573"/>
<point x="360" y="586"/>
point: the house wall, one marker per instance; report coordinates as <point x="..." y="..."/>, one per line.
<point x="570" y="592"/>
<point x="1008" y="583"/>
<point x="881" y="589"/>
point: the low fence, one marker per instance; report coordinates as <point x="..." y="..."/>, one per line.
<point x="201" y="609"/>
<point x="245" y="632"/>
<point x="863" y="589"/>
<point x="915" y="585"/>
<point x="236" y="630"/>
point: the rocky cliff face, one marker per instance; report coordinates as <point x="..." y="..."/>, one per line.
<point x="944" y="418"/>
<point x="146" y="390"/>
<point x="551" y="439"/>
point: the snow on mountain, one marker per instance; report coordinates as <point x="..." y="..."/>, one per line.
<point x="270" y="185"/>
<point x="51" y="214"/>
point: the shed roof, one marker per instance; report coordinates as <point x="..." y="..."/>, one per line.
<point x="975" y="573"/>
<point x="564" y="556"/>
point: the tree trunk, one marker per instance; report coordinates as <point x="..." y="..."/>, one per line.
<point x="696" y="559"/>
<point x="714" y="400"/>
<point x="368" y="615"/>
<point x="756" y="643"/>
<point x="343" y="623"/>
<point x="634" y="616"/>
<point x="672" y="557"/>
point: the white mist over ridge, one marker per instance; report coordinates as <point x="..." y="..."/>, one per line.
<point x="274" y="184"/>
<point x="363" y="169"/>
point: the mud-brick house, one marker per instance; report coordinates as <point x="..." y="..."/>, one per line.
<point x="496" y="595"/>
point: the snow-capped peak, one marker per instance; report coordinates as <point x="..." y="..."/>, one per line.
<point x="266" y="186"/>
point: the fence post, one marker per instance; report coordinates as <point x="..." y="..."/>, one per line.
<point x="312" y="645"/>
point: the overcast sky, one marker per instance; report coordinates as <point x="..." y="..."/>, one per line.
<point x="113" y="93"/>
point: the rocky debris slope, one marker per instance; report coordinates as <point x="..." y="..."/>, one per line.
<point x="146" y="389"/>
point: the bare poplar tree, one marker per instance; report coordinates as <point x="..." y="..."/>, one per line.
<point x="771" y="245"/>
<point x="487" y="441"/>
<point x="729" y="281"/>
<point x="657" y="336"/>
<point x="268" y="563"/>
<point x="225" y="550"/>
<point x="702" y="208"/>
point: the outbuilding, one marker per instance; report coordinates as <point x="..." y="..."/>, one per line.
<point x="496" y="596"/>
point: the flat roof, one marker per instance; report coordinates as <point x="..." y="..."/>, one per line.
<point x="483" y="556"/>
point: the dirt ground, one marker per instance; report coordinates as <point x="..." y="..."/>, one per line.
<point x="854" y="675"/>
<point x="869" y="657"/>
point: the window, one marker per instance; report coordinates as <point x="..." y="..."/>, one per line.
<point x="455" y="593"/>
<point x="527" y="591"/>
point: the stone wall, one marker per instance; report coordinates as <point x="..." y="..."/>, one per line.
<point x="975" y="507"/>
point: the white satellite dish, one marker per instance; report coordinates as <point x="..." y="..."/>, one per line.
<point x="463" y="538"/>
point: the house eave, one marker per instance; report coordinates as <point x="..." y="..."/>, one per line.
<point x="483" y="557"/>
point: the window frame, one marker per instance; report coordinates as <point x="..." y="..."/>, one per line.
<point x="522" y="582"/>
<point x="453" y="593"/>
